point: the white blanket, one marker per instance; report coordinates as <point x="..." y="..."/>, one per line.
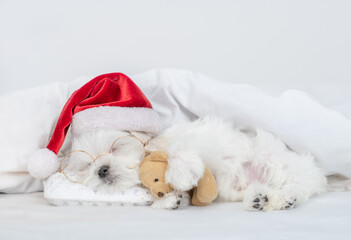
<point x="28" y="116"/>
<point x="30" y="217"/>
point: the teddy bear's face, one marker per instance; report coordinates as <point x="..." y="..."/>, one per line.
<point x="152" y="175"/>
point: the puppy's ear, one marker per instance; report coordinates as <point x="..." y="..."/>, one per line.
<point x="142" y="136"/>
<point x="128" y="146"/>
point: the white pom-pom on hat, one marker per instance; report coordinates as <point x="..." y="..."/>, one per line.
<point x="43" y="163"/>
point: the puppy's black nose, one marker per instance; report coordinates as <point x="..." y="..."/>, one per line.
<point x="103" y="171"/>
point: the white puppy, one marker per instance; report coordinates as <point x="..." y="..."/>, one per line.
<point x="116" y="170"/>
<point x="250" y="166"/>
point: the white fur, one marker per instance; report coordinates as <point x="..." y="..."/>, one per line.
<point x="123" y="162"/>
<point x="246" y="164"/>
<point x="43" y="163"/>
<point x="251" y="166"/>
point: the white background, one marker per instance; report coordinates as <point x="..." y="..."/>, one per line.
<point x="278" y="44"/>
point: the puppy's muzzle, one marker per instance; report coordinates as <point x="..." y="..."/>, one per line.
<point x="103" y="171"/>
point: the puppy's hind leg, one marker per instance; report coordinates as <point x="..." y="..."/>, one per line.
<point x="289" y="178"/>
<point x="291" y="193"/>
<point x="256" y="197"/>
<point x="303" y="179"/>
<point x="261" y="197"/>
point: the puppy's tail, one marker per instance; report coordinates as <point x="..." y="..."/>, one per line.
<point x="338" y="183"/>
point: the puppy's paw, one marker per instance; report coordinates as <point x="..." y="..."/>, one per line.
<point x="256" y="197"/>
<point x="184" y="199"/>
<point x="172" y="200"/>
<point x="257" y="203"/>
<point x="283" y="201"/>
<point x="184" y="170"/>
<point x="290" y="204"/>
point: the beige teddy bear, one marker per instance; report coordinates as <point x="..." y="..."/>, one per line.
<point x="152" y="175"/>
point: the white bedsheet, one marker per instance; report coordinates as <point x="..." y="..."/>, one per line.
<point x="28" y="116"/>
<point x="29" y="216"/>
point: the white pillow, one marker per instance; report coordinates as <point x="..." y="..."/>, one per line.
<point x="58" y="190"/>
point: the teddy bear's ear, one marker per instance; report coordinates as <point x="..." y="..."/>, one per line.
<point x="158" y="160"/>
<point x="158" y="156"/>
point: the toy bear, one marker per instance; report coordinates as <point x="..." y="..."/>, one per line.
<point x="152" y="175"/>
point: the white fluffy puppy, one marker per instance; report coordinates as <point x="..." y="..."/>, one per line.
<point x="250" y="166"/>
<point x="116" y="170"/>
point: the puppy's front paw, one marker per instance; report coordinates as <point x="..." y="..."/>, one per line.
<point x="172" y="200"/>
<point x="184" y="171"/>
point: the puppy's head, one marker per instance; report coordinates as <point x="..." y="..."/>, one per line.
<point x="118" y="170"/>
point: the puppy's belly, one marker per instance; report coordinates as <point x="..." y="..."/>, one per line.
<point x="252" y="174"/>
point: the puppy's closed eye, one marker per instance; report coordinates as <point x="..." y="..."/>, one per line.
<point x="84" y="167"/>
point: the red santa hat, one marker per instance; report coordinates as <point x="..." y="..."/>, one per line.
<point x="109" y="101"/>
